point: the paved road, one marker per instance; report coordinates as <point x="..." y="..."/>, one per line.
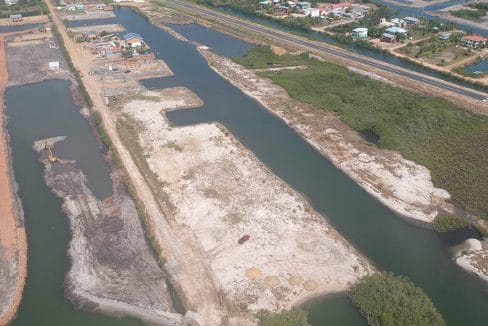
<point x="330" y="50"/>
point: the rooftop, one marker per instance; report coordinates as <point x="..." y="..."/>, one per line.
<point x="475" y="38"/>
<point x="128" y="36"/>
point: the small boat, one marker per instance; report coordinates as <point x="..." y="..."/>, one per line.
<point x="243" y="239"/>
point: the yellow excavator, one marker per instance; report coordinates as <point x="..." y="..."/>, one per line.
<point x="52" y="158"/>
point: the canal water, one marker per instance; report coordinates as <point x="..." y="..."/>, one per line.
<point x="46" y="109"/>
<point x="34" y="112"/>
<point x="478" y="68"/>
<point x="388" y="240"/>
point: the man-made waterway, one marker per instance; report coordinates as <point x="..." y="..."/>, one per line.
<point x="389" y="241"/>
<point x="478" y="68"/>
<point x="34" y="112"/>
<point x="46" y="110"/>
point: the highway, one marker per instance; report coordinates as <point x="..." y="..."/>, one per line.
<point x="328" y="50"/>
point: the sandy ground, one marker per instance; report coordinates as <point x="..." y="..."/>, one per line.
<point x="26" y="20"/>
<point x="28" y="58"/>
<point x="400" y="184"/>
<point x="112" y="265"/>
<point x="181" y="259"/>
<point x="87" y="15"/>
<point x="473" y="257"/>
<point x="109" y="28"/>
<point x="13" y="242"/>
<point x="219" y="192"/>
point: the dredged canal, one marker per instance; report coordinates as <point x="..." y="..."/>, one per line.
<point x="46" y="109"/>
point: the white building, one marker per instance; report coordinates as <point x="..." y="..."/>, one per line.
<point x="311" y="12"/>
<point x="11" y="2"/>
<point x="54" y="65"/>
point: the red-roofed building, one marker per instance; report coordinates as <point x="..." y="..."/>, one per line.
<point x="474" y="41"/>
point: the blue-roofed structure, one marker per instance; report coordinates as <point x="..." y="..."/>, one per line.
<point x="133" y="40"/>
<point x="395" y="30"/>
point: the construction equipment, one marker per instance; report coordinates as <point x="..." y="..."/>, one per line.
<point x="51" y="157"/>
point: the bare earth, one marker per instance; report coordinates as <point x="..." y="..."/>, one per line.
<point x="109" y="28"/>
<point x="473" y="257"/>
<point x="13" y="242"/>
<point x="112" y="266"/>
<point x="400" y="184"/>
<point x="218" y="192"/>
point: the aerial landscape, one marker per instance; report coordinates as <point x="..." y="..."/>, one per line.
<point x="244" y="162"/>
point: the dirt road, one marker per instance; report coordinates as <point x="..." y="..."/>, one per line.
<point x="189" y="271"/>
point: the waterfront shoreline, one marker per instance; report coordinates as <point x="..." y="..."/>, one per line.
<point x="395" y="204"/>
<point x="10" y="208"/>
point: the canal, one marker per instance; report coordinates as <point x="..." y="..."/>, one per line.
<point x="389" y="241"/>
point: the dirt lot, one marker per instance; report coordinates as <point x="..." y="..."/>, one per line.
<point x="109" y="28"/>
<point x="400" y="184"/>
<point x="218" y="191"/>
<point x="98" y="14"/>
<point x="26" y="20"/>
<point x="28" y="58"/>
<point x="13" y="242"/>
<point x="112" y="265"/>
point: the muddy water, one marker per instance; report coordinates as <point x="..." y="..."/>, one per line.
<point x="389" y="241"/>
<point x="38" y="111"/>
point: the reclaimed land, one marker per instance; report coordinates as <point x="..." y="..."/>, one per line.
<point x="448" y="140"/>
<point x="214" y="192"/>
<point x="113" y="269"/>
<point x="13" y="242"/>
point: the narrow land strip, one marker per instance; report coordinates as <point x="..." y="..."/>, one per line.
<point x="13" y="242"/>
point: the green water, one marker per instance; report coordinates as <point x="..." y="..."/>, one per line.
<point x="38" y="111"/>
<point x="46" y="109"/>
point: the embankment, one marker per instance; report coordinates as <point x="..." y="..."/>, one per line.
<point x="112" y="268"/>
<point x="13" y="242"/>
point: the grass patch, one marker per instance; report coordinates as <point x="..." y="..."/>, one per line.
<point x="386" y="299"/>
<point x="446" y="223"/>
<point x="25" y="7"/>
<point x="469" y="14"/>
<point x="449" y="141"/>
<point x="293" y="317"/>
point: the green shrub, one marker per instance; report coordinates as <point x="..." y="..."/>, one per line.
<point x="385" y="299"/>
<point x="446" y="223"/>
<point x="294" y="317"/>
<point x="449" y="141"/>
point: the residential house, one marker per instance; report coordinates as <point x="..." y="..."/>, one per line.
<point x="360" y="10"/>
<point x="340" y="8"/>
<point x="303" y="5"/>
<point x="388" y="38"/>
<point x="395" y="30"/>
<point x="92" y="35"/>
<point x="133" y="40"/>
<point x="411" y="21"/>
<point x="16" y="18"/>
<point x="444" y="36"/>
<point x="360" y="33"/>
<point x="398" y="22"/>
<point x="474" y="41"/>
<point x="311" y="12"/>
<point x="101" y="6"/>
<point x="11" y="2"/>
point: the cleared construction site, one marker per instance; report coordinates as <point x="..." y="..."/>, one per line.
<point x="265" y="247"/>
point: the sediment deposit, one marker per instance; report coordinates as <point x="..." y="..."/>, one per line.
<point x="217" y="192"/>
<point x="400" y="184"/>
<point x="112" y="268"/>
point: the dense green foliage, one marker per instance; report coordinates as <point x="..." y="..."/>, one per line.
<point x="294" y="317"/>
<point x="369" y="21"/>
<point x="451" y="142"/>
<point x="469" y="14"/>
<point x="24" y="7"/>
<point x="385" y="299"/>
<point x="479" y="5"/>
<point x="446" y="223"/>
